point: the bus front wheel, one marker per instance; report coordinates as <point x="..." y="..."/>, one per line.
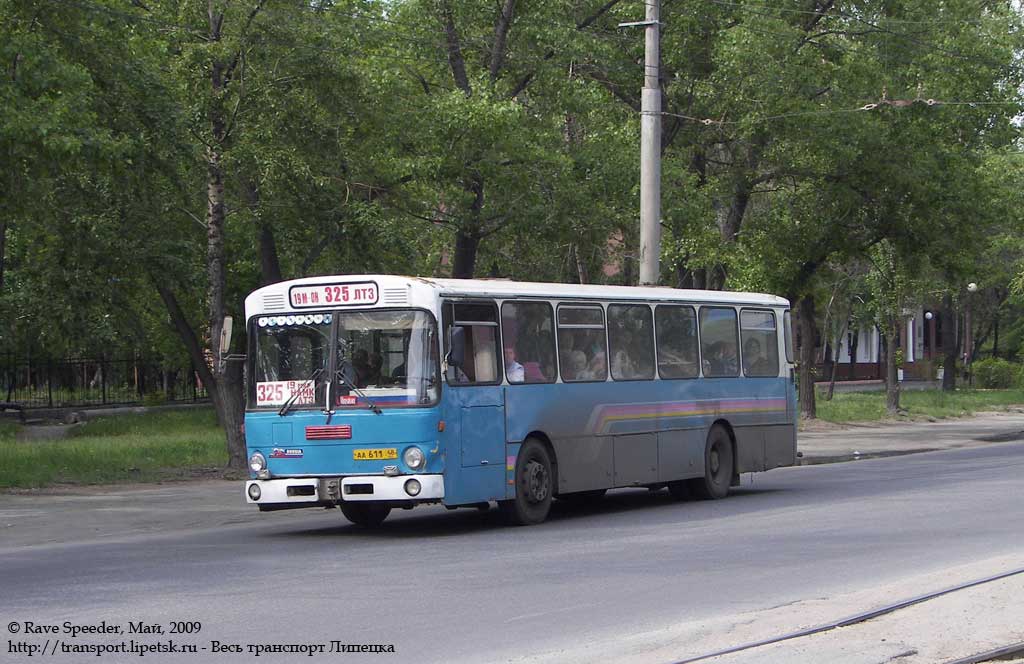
<point x="365" y="515"/>
<point x="534" y="486"/>
<point x="718" y="466"/>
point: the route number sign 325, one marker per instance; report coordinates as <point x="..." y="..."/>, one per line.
<point x="333" y="295"/>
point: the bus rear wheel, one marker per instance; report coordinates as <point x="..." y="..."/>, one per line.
<point x="365" y="515"/>
<point x="534" y="486"/>
<point x="718" y="466"/>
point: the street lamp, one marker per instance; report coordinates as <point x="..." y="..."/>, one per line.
<point x="968" y="334"/>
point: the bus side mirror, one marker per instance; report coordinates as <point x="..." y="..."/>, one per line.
<point x="225" y="336"/>
<point x="225" y="343"/>
<point x="225" y="355"/>
<point x="457" y="347"/>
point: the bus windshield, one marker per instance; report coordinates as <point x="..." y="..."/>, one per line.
<point x="289" y="351"/>
<point x="388" y="356"/>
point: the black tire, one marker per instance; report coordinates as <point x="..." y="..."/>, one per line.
<point x="534" y="486"/>
<point x="365" y="515"/>
<point x="718" y="466"/>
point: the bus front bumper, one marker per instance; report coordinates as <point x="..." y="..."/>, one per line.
<point x="319" y="490"/>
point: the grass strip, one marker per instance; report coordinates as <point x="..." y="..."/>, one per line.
<point x="122" y="448"/>
<point x="917" y="404"/>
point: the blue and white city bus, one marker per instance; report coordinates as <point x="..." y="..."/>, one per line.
<point x="375" y="392"/>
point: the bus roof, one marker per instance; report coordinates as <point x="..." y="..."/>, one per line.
<point x="501" y="288"/>
<point x="396" y="290"/>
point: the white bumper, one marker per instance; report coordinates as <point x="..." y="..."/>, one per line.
<point x="299" y="490"/>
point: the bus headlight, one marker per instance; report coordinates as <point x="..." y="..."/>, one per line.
<point x="412" y="487"/>
<point x="413" y="457"/>
<point x="257" y="462"/>
<point x="254" y="491"/>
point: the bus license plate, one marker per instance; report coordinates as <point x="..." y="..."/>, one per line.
<point x="371" y="455"/>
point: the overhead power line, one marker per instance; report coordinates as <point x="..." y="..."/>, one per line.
<point x="871" y="106"/>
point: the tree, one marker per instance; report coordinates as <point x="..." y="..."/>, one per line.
<point x="891" y="288"/>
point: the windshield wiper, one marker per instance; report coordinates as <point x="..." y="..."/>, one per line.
<point x="291" y="400"/>
<point x="359" y="393"/>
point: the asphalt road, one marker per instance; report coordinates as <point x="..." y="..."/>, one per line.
<point x="459" y="586"/>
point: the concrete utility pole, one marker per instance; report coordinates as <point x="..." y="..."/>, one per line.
<point x="650" y="148"/>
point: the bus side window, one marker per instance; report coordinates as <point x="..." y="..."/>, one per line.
<point x="581" y="343"/>
<point x="631" y="341"/>
<point x="760" y="343"/>
<point x="677" y="341"/>
<point x="479" y="322"/>
<point x="718" y="344"/>
<point x="528" y="342"/>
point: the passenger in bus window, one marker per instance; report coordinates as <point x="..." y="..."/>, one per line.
<point x="622" y="366"/>
<point x="514" y="370"/>
<point x="597" y="369"/>
<point x="722" y="360"/>
<point x="730" y="364"/>
<point x="373" y="376"/>
<point x="361" y="362"/>
<point x="577" y="366"/>
<point x="756" y="362"/>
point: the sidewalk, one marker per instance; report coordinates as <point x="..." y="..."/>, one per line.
<point x="826" y="443"/>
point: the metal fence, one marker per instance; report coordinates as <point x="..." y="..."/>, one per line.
<point x="95" y="382"/>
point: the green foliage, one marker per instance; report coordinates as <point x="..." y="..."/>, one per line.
<point x="351" y="145"/>
<point x="996" y="373"/>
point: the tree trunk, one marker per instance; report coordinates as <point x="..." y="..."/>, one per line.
<point x="949" y="344"/>
<point x="455" y="59"/>
<point x="883" y="355"/>
<point x="995" y="328"/>
<point x="466" y="246"/>
<point x="835" y="366"/>
<point x="687" y="277"/>
<point x="270" y="266"/>
<point x="717" y="276"/>
<point x="854" y="342"/>
<point x="228" y="396"/>
<point x="224" y="384"/>
<point x="3" y="245"/>
<point x="892" y="383"/>
<point x="224" y="388"/>
<point x="581" y="267"/>
<point x="808" y="330"/>
<point x="684" y="277"/>
<point x="501" y="28"/>
<point x="729" y="213"/>
<point x="576" y="264"/>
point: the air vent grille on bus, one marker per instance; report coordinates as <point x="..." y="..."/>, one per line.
<point x="395" y="296"/>
<point x="273" y="302"/>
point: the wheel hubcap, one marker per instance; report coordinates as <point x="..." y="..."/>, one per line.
<point x="536" y="480"/>
<point x="713" y="461"/>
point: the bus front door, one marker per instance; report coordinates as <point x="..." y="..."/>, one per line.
<point x="480" y="413"/>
